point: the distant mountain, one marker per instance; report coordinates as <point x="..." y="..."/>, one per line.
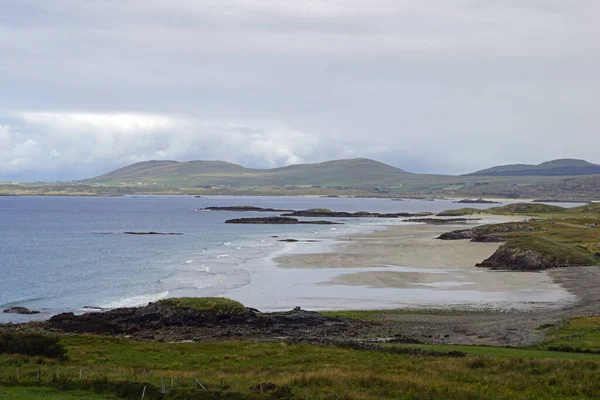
<point x="352" y="172"/>
<point x="561" y="167"/>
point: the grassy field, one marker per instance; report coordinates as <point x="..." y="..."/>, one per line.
<point x="567" y="236"/>
<point x="215" y="305"/>
<point x="120" y="368"/>
<point x="46" y="393"/>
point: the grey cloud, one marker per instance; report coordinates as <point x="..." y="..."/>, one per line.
<point x="436" y="86"/>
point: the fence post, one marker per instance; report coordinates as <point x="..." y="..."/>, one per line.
<point x="201" y="385"/>
<point x="18" y="374"/>
<point x="144" y="392"/>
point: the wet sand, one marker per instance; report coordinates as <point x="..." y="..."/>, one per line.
<point x="410" y="257"/>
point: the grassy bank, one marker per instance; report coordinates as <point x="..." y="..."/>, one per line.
<point x="230" y="369"/>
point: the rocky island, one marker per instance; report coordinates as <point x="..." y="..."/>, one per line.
<point x="277" y="221"/>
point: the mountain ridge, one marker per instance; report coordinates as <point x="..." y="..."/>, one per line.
<point x="194" y="173"/>
<point x="355" y="172"/>
<point x="558" y="167"/>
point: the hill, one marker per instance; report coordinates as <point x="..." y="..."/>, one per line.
<point x="561" y="167"/>
<point x="351" y="172"/>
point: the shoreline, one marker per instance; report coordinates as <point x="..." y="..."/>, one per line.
<point x="418" y="270"/>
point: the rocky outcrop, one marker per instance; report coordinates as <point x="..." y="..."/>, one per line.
<point x="476" y="201"/>
<point x="152" y="233"/>
<point x="244" y="208"/>
<point x="277" y="221"/>
<point x="511" y="258"/>
<point x="440" y="221"/>
<point x="343" y="214"/>
<point x="488" y="233"/>
<point x="166" y="323"/>
<point x="19" y="310"/>
<point x="460" y="234"/>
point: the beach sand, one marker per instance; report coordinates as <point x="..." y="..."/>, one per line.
<point x="410" y="256"/>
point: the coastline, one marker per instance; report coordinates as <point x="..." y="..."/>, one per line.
<point x="415" y="269"/>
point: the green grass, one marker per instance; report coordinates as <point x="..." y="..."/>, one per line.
<point x="317" y="371"/>
<point x="216" y="305"/>
<point x="46" y="393"/>
<point x="555" y="252"/>
<point x="320" y="210"/>
<point x="581" y="334"/>
<point x="461" y="211"/>
<point x="527" y="209"/>
<point x="503" y="352"/>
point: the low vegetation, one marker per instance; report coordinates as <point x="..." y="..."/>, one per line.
<point x="460" y="212"/>
<point x="31" y="344"/>
<point x="556" y="253"/>
<point x="527" y="209"/>
<point x="549" y="236"/>
<point x="216" y="305"/>
<point x="579" y="335"/>
<point x="122" y="368"/>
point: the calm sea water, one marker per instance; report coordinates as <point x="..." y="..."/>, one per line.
<point x="66" y="253"/>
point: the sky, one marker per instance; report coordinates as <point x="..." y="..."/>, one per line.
<point x="436" y="86"/>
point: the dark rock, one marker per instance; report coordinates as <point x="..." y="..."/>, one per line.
<point x="296" y="240"/>
<point x="297" y="308"/>
<point x="245" y="208"/>
<point x="161" y="322"/>
<point x="457" y="235"/>
<point x="488" y="233"/>
<point x="477" y="201"/>
<point x="517" y="259"/>
<point x="359" y="214"/>
<point x="152" y="233"/>
<point x="438" y="221"/>
<point x="19" y="310"/>
<point x="277" y="221"/>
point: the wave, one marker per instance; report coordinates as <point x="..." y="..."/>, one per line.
<point x="222" y="256"/>
<point x="136" y="301"/>
<point x="19" y="302"/>
<point x="188" y="261"/>
<point x="226" y="243"/>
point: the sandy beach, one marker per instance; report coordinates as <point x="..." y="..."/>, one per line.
<point x="410" y="256"/>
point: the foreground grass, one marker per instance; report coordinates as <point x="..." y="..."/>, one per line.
<point x="309" y="371"/>
<point x="578" y="334"/>
<point x="46" y="393"/>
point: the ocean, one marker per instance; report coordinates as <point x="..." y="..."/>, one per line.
<point x="69" y="253"/>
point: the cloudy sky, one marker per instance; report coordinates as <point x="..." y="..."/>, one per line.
<point x="443" y="86"/>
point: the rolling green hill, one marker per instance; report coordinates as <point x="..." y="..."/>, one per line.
<point x="352" y="172"/>
<point x="351" y="177"/>
<point x="561" y="167"/>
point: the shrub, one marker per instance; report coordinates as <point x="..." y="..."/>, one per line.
<point x="32" y="344"/>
